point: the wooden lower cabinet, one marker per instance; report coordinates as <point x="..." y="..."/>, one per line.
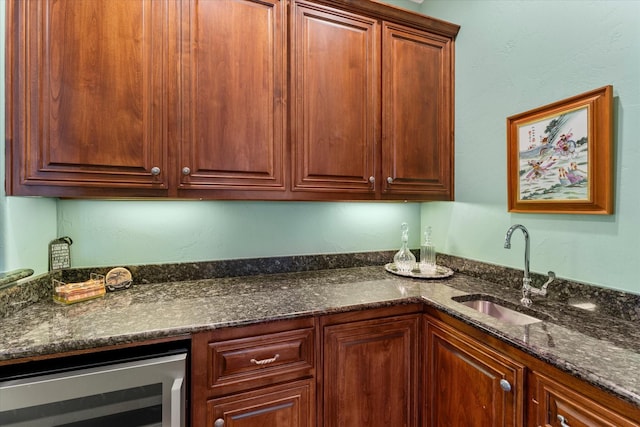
<point x="288" y="405"/>
<point x="555" y="404"/>
<point x="254" y="376"/>
<point x="466" y="372"/>
<point x="469" y="384"/>
<point x="391" y="366"/>
<point x="370" y="372"/>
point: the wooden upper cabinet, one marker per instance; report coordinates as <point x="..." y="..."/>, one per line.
<point x="234" y="93"/>
<point x="335" y="73"/>
<point x="228" y="99"/>
<point x="87" y="97"/>
<point x="373" y="113"/>
<point x="417" y="113"/>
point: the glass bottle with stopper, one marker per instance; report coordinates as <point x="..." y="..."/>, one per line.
<point x="427" y="254"/>
<point x="404" y="260"/>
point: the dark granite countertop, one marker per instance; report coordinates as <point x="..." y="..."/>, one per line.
<point x="605" y="351"/>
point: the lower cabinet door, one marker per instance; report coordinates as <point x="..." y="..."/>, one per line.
<point x="556" y="405"/>
<point x="287" y="405"/>
<point x="469" y="384"/>
<point x="370" y="373"/>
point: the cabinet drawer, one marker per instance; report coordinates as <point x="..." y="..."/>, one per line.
<point x="246" y="363"/>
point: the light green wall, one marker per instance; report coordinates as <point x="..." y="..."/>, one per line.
<point x="513" y="56"/>
<point x="112" y="232"/>
<point x="405" y="4"/>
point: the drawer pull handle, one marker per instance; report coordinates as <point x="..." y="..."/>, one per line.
<point x="265" y="361"/>
<point x="563" y="421"/>
<point x="219" y="423"/>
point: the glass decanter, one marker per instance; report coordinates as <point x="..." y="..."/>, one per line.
<point x="427" y="254"/>
<point x="404" y="260"/>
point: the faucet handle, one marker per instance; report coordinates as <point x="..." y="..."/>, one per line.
<point x="552" y="277"/>
<point x="543" y="289"/>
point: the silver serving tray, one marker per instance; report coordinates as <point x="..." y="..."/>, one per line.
<point x="440" y="273"/>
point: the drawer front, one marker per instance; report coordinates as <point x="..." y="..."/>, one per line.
<point x="246" y="363"/>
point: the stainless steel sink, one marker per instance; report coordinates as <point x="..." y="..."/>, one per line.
<point x="498" y="311"/>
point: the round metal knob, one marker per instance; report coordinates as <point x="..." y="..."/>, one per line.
<point x="186" y="171"/>
<point x="219" y="423"/>
<point x="155" y="171"/>
<point x="389" y="179"/>
<point x="563" y="421"/>
<point x="372" y="179"/>
<point x="504" y="385"/>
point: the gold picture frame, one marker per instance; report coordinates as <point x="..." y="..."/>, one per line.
<point x="559" y="156"/>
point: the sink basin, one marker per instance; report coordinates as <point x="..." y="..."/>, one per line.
<point x="497" y="310"/>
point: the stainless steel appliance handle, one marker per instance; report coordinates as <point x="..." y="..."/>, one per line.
<point x="177" y="403"/>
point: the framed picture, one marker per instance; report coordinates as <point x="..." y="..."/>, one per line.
<point x="559" y="156"/>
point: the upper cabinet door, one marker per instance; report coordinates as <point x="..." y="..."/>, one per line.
<point x="417" y="113"/>
<point x="335" y="78"/>
<point x="234" y="95"/>
<point x="87" y="97"/>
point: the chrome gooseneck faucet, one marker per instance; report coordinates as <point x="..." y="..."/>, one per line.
<point x="507" y="245"/>
<point x="527" y="289"/>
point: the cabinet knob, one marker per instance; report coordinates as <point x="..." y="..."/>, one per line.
<point x="219" y="423"/>
<point x="186" y="171"/>
<point x="155" y="171"/>
<point x="504" y="385"/>
<point x="372" y="179"/>
<point x="389" y="179"/>
<point x="563" y="421"/>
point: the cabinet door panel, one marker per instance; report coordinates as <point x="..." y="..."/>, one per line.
<point x="370" y="371"/>
<point x="553" y="402"/>
<point x="417" y="126"/>
<point x="90" y="90"/>
<point x="290" y="405"/>
<point x="335" y="75"/>
<point x="463" y="383"/>
<point x="234" y="80"/>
